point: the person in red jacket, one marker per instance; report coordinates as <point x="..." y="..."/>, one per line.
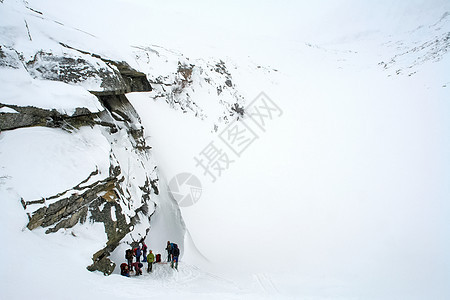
<point x="144" y="252"/>
<point x="124" y="270"/>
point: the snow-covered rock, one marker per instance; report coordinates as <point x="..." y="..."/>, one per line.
<point x="204" y="88"/>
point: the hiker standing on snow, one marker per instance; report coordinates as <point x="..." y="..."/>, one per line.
<point x="138" y="254"/>
<point x="175" y="254"/>
<point x="169" y="251"/>
<point x="150" y="260"/>
<point x="129" y="258"/>
<point x="144" y="252"/>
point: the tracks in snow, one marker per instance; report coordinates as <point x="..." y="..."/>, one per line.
<point x="266" y="284"/>
<point x="188" y="277"/>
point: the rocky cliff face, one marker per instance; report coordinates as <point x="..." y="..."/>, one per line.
<point x="40" y="81"/>
<point x="182" y="83"/>
<point x="93" y="199"/>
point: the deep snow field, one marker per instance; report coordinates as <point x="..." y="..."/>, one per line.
<point x="344" y="194"/>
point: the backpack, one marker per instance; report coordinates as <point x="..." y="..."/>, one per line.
<point x="158" y="258"/>
<point x="173" y="246"/>
<point x="176" y="251"/>
<point x="128" y="254"/>
<point x="123" y="267"/>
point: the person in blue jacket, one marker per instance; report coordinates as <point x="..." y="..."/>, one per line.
<point x="138" y="254"/>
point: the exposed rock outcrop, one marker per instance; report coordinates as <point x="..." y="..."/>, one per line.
<point x="97" y="74"/>
<point x="8" y="58"/>
<point x="29" y="116"/>
<point x="180" y="77"/>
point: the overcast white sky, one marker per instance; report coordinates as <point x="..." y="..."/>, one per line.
<point x="224" y="23"/>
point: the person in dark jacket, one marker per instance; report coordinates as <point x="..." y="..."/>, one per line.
<point x="129" y="258"/>
<point x="175" y="255"/>
<point x="169" y="251"/>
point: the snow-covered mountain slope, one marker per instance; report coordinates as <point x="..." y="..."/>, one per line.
<point x="341" y="190"/>
<point x="425" y="44"/>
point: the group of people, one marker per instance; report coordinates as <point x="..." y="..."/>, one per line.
<point x="173" y="252"/>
